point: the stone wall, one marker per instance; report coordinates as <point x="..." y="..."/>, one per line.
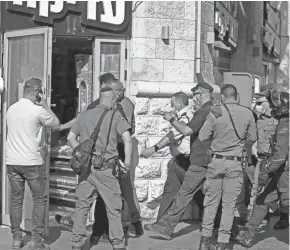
<point x="155" y="60"/>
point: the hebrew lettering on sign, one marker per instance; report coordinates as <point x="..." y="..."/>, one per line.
<point x="110" y="15"/>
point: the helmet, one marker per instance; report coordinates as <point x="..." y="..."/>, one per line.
<point x="279" y="102"/>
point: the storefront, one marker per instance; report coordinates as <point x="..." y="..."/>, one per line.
<point x="67" y="45"/>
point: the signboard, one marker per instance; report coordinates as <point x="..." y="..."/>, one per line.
<point x="69" y="17"/>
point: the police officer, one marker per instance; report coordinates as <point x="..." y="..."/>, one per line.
<point x="179" y="146"/>
<point x="100" y="227"/>
<point x="230" y="125"/>
<point x="266" y="127"/>
<point x="276" y="169"/>
<point x="196" y="172"/>
<point x="102" y="181"/>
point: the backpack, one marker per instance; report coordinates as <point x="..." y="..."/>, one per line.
<point x="82" y="154"/>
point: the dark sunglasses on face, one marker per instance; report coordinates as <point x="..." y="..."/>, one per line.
<point x="195" y="94"/>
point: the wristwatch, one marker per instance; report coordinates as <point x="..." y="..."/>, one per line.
<point x="172" y="119"/>
<point x="156" y="148"/>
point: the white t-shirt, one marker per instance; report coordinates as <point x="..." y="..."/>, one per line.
<point x="182" y="143"/>
<point x="24" y="125"/>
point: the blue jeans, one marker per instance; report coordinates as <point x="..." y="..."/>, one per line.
<point x="36" y="180"/>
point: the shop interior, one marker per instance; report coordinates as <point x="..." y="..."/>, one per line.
<point x="71" y="82"/>
<point x="72" y="88"/>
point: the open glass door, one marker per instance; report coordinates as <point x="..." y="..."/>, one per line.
<point x="109" y="56"/>
<point x="27" y="54"/>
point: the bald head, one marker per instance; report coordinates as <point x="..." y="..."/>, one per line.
<point x="181" y="97"/>
<point x="229" y="92"/>
<point x="32" y="88"/>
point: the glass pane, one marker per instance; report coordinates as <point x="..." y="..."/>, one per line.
<point x="110" y="58"/>
<point x="25" y="60"/>
<point x="257" y="85"/>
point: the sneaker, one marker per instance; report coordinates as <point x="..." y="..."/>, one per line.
<point x="146" y="227"/>
<point x="94" y="239"/>
<point x="283" y="222"/>
<point x="204" y="243"/>
<point x="245" y="238"/>
<point x="38" y="246"/>
<point x="136" y="229"/>
<point x="17" y="244"/>
<point x="65" y="221"/>
<point x="222" y="246"/>
<point x="161" y="231"/>
<point x="105" y="238"/>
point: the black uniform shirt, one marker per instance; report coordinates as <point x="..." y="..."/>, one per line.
<point x="198" y="149"/>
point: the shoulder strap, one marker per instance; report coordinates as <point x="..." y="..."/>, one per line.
<point x="231" y="118"/>
<point x="121" y="110"/>
<point x="95" y="134"/>
<point x="109" y="131"/>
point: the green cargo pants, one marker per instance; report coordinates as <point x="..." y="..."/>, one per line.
<point x="103" y="183"/>
<point x="224" y="180"/>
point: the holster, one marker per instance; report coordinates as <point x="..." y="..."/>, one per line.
<point x="208" y="156"/>
<point x="183" y="161"/>
<point x="99" y="163"/>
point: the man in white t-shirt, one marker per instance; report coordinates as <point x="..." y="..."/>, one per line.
<point x="24" y="161"/>
<point x="179" y="146"/>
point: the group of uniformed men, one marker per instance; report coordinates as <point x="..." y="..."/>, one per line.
<point x="214" y="152"/>
<point x="214" y="149"/>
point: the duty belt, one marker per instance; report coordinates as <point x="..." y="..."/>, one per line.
<point x="230" y="158"/>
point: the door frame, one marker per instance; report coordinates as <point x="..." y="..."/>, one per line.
<point x="97" y="61"/>
<point x="46" y="84"/>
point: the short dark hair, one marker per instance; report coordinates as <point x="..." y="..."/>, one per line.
<point x="107" y="78"/>
<point x="229" y="90"/>
<point x="180" y="96"/>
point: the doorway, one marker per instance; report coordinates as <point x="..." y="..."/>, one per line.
<point x="71" y="92"/>
<point x="69" y="68"/>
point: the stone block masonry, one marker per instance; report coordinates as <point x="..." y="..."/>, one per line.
<point x="162" y="62"/>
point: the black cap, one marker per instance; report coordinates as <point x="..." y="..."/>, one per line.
<point x="202" y="87"/>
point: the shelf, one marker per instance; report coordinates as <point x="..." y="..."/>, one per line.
<point x="63" y="169"/>
<point x="62" y="198"/>
<point x="60" y="156"/>
<point x="61" y="186"/>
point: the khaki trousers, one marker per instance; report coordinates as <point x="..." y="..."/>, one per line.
<point x="224" y="180"/>
<point x="103" y="183"/>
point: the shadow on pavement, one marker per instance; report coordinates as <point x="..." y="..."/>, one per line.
<point x="269" y="232"/>
<point x="193" y="226"/>
<point x="54" y="234"/>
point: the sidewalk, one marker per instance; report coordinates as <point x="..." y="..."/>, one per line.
<point x="186" y="237"/>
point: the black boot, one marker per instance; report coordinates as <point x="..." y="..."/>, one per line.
<point x="245" y="237"/>
<point x="283" y="223"/>
<point x="204" y="243"/>
<point x="222" y="246"/>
